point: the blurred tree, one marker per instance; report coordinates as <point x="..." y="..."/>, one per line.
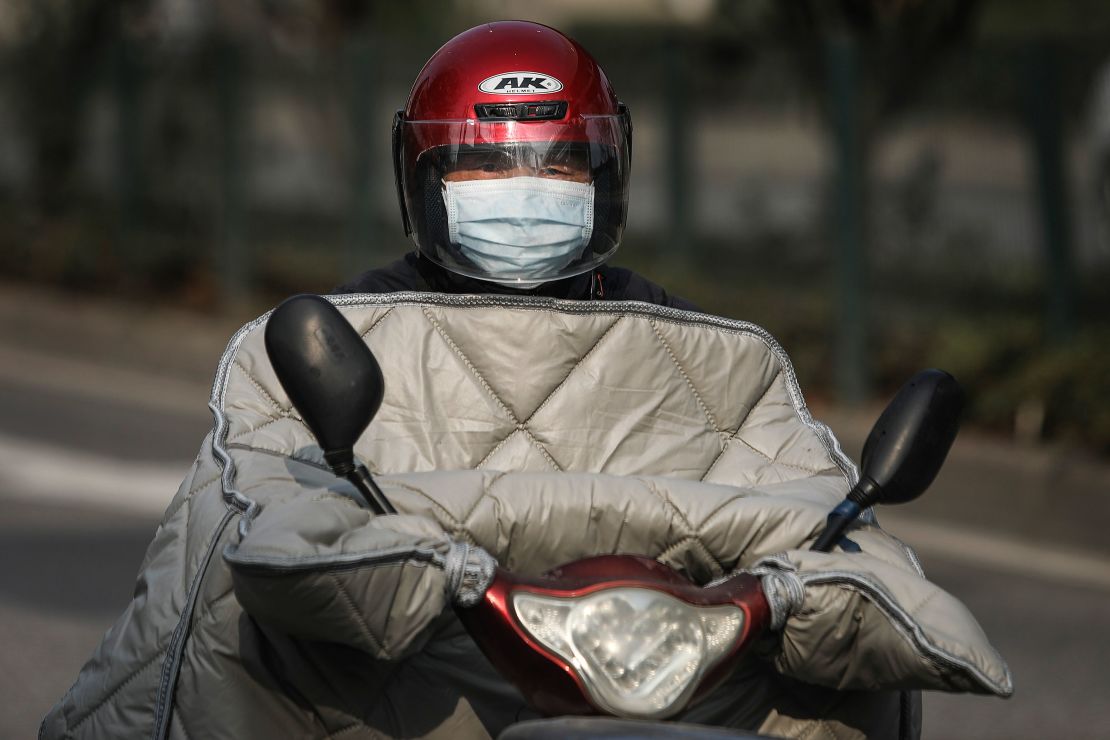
<point x="900" y="44"/>
<point x="357" y="39"/>
<point x="63" y="47"/>
<point x="1024" y="19"/>
<point x="863" y="61"/>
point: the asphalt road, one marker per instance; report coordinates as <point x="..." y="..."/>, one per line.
<point x="67" y="573"/>
<point x="68" y="561"/>
<point x="1052" y="634"/>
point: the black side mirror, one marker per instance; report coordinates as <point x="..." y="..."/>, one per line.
<point x="904" y="451"/>
<point x="908" y="444"/>
<point x="332" y="379"/>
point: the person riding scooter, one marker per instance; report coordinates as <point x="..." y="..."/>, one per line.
<point x="510" y="431"/>
<point x="512" y="160"/>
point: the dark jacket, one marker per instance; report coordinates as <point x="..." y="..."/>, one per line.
<point x="415" y="273"/>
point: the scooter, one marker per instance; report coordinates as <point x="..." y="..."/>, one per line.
<point x="617" y="635"/>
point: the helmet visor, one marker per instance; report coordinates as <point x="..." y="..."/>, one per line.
<point x="516" y="202"/>
<point x="559" y="160"/>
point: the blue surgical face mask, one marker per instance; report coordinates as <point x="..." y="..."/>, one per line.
<point x="523" y="228"/>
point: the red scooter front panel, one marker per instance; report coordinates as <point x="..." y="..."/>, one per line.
<point x="552" y="683"/>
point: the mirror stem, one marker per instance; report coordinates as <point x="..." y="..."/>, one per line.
<point x="361" y="479"/>
<point x="864" y="494"/>
<point x="343" y="464"/>
<point x="839" y="518"/>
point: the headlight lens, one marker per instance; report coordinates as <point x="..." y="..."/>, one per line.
<point x="640" y="652"/>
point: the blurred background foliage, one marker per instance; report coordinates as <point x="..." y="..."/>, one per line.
<point x="884" y="185"/>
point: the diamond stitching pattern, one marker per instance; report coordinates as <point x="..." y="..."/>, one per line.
<point x="685" y="376"/>
<point x="692" y="535"/>
<point x="359" y="617"/>
<point x="247" y="432"/>
<point x="520" y="427"/>
<point x="689" y="537"/>
<point x="740" y="425"/>
<point x="379" y="320"/>
<point x="775" y="461"/>
<point x="627" y="399"/>
<point x="577" y="365"/>
<point x="470" y="366"/>
<point x="480" y="500"/>
<point x="262" y="392"/>
<point x="496" y="449"/>
<point x="376" y="323"/>
<point x="554" y="391"/>
<point x="674" y="510"/>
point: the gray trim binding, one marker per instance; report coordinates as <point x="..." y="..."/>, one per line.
<point x="900" y="618"/>
<point x="333" y="562"/>
<point x="468" y="569"/>
<point x="237" y="503"/>
<point x="232" y="496"/>
<point x="909" y="553"/>
<point x="171" y="664"/>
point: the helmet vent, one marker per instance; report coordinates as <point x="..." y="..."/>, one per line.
<point x="544" y="111"/>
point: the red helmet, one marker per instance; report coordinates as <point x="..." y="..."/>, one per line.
<point x="512" y="156"/>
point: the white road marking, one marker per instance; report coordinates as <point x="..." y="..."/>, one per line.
<point x="115" y="384"/>
<point x="999" y="552"/>
<point x="44" y="472"/>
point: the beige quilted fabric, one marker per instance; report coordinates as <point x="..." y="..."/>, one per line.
<point x="497" y="384"/>
<point x="270" y="605"/>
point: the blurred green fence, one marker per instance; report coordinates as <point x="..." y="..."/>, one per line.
<point x="883" y="186"/>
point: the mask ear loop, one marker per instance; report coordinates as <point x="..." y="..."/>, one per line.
<point x="398" y="168"/>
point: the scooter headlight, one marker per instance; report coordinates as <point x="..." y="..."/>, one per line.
<point x="639" y="652"/>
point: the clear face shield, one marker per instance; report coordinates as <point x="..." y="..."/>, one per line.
<point x="559" y="160"/>
<point x="518" y="213"/>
